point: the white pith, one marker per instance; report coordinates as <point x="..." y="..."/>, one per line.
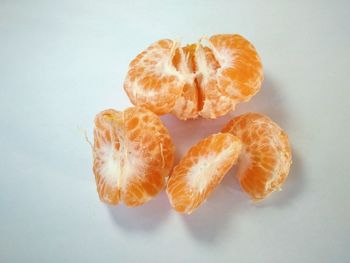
<point x="138" y="89"/>
<point x="202" y="173"/>
<point x="276" y="174"/>
<point x="163" y="67"/>
<point x="110" y="170"/>
<point x="202" y="66"/>
<point x="118" y="167"/>
<point x="210" y="78"/>
<point x="224" y="56"/>
<point x="184" y="71"/>
<point x="244" y="163"/>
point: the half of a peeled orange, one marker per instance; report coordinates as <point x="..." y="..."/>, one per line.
<point x="133" y="154"/>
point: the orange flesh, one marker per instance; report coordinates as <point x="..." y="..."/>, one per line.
<point x="266" y="154"/>
<point x="152" y="80"/>
<point x="133" y="154"/>
<point x="201" y="170"/>
<point x="195" y="80"/>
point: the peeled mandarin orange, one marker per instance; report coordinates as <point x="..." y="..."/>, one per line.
<point x="266" y="156"/>
<point x="202" y="79"/>
<point x="201" y="170"/>
<point x="133" y="154"/>
<point x="152" y="80"/>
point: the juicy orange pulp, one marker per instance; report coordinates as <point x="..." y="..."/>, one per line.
<point x="133" y="154"/>
<point x="266" y="156"/>
<point x="200" y="79"/>
<point x="201" y="170"/>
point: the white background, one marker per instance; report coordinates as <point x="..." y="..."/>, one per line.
<point x="61" y="62"/>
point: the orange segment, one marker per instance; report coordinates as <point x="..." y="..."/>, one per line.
<point x="201" y="170"/>
<point x="266" y="156"/>
<point x="133" y="154"/>
<point x="152" y="80"/>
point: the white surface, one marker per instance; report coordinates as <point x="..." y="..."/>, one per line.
<point x="64" y="61"/>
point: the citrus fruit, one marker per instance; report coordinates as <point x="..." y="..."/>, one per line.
<point x="133" y="154"/>
<point x="201" y="170"/>
<point x="205" y="79"/>
<point x="266" y="156"/>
